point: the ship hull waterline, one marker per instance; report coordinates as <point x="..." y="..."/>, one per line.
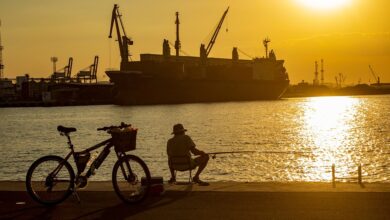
<point x="138" y="89"/>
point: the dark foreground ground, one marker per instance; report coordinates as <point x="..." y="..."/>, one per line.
<point x="217" y="201"/>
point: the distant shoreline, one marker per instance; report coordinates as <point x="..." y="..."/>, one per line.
<point x="11" y="104"/>
<point x="308" y="90"/>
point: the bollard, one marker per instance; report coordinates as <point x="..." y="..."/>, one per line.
<point x="360" y="174"/>
<point x="333" y="175"/>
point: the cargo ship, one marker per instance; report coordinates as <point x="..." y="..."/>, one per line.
<point x="172" y="79"/>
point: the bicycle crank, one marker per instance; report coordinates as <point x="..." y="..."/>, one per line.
<point x="81" y="182"/>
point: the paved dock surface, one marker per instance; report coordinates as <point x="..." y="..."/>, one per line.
<point x="220" y="200"/>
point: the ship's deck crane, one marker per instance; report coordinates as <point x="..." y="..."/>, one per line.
<point x="377" y="79"/>
<point x="123" y="40"/>
<point x="181" y="50"/>
<point x="215" y="35"/>
<point x="246" y="54"/>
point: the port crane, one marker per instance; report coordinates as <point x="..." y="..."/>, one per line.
<point x="123" y="40"/>
<point x="207" y="50"/>
<point x="63" y="73"/>
<point x="89" y="72"/>
<point x="340" y="79"/>
<point x="377" y="79"/>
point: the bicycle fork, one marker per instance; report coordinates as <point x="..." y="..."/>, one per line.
<point x="130" y="177"/>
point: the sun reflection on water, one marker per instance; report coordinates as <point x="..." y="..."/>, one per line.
<point x="327" y="125"/>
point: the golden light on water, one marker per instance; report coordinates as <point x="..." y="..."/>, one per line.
<point x="327" y="126"/>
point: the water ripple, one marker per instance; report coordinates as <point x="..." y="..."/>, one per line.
<point x="295" y="139"/>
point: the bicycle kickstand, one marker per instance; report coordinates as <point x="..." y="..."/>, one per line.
<point x="76" y="195"/>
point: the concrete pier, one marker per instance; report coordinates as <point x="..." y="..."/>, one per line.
<point x="220" y="200"/>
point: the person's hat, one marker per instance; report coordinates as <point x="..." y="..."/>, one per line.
<point x="178" y="128"/>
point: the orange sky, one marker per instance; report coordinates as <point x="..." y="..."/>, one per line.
<point x="348" y="38"/>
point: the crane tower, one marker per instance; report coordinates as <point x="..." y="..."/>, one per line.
<point x="315" y="81"/>
<point x="322" y="71"/>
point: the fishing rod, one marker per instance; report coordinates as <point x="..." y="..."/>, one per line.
<point x="213" y="154"/>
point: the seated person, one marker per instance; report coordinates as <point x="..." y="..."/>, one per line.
<point x="181" y="145"/>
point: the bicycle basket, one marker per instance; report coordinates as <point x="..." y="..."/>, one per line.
<point x="124" y="140"/>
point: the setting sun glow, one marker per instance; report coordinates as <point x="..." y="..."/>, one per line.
<point x="324" y="4"/>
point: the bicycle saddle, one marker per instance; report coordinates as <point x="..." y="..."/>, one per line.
<point x="63" y="129"/>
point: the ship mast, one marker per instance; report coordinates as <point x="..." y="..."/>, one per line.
<point x="123" y="40"/>
<point x="177" y="42"/>
<point x="265" y="43"/>
<point x="1" y="57"/>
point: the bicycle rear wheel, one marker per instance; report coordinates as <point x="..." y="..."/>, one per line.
<point x="50" y="180"/>
<point x="126" y="179"/>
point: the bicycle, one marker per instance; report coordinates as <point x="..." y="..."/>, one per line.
<point x="51" y="179"/>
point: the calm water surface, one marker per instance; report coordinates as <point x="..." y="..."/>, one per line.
<point x="294" y="139"/>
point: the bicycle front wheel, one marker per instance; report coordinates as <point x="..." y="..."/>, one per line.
<point x="50" y="180"/>
<point x="127" y="174"/>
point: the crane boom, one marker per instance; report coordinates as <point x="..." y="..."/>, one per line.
<point x="373" y="73"/>
<point x="123" y="40"/>
<point x="215" y="35"/>
<point x="241" y="51"/>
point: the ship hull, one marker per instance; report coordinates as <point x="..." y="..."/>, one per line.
<point x="139" y="89"/>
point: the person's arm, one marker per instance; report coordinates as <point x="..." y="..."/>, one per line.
<point x="193" y="148"/>
<point x="196" y="151"/>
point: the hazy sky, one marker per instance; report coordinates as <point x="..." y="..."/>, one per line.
<point x="348" y="37"/>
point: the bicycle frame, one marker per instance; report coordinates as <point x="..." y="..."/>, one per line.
<point x="97" y="161"/>
<point x="72" y="152"/>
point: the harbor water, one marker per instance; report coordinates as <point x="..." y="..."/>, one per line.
<point x="295" y="139"/>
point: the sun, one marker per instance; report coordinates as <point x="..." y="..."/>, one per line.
<point x="324" y="4"/>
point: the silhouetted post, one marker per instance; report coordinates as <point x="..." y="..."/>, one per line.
<point x="333" y="175"/>
<point x="1" y="57"/>
<point x="360" y="174"/>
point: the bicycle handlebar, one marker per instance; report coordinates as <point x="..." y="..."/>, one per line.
<point x="123" y="125"/>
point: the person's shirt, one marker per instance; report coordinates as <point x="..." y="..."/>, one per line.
<point x="180" y="146"/>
